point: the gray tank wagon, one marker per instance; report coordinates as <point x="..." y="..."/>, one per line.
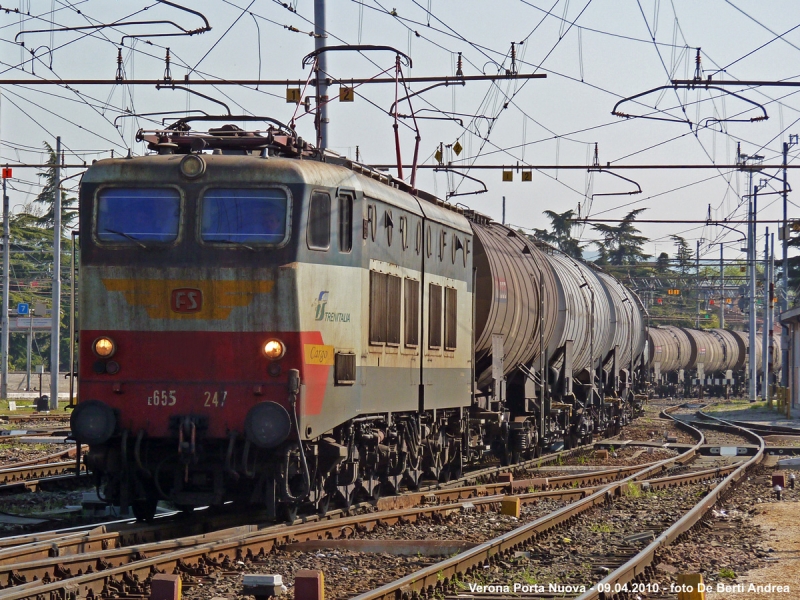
<point x="627" y="324"/>
<point x="689" y="362"/>
<point x="552" y="314"/>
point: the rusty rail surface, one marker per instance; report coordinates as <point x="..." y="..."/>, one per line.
<point x="77" y="552"/>
<point x="38" y="547"/>
<point x="36" y="471"/>
<point x="439" y="575"/>
<point x="640" y="566"/>
<point x="99" y="546"/>
<point x="34" y="417"/>
<point x="50" y="458"/>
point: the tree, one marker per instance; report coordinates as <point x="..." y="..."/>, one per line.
<point x="683" y="253"/>
<point x="621" y="244"/>
<point x="662" y="263"/>
<point x="48" y="195"/>
<point x="31" y="259"/>
<point x="561" y="234"/>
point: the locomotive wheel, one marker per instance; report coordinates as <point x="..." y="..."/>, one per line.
<point x="144" y="509"/>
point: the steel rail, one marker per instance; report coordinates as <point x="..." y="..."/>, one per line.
<point x="95" y="545"/>
<point x="68" y="453"/>
<point x="36" y="560"/>
<point x="78" y="550"/>
<point x="640" y="566"/>
<point x="124" y="532"/>
<point x="38" y="547"/>
<point x="42" y="545"/>
<point x="129" y="561"/>
<point x="36" y="417"/>
<point x="440" y="574"/>
<point x="36" y="471"/>
<point x="83" y="543"/>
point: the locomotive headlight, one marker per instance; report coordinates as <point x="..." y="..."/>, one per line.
<point x="104" y="347"/>
<point x="274" y="349"/>
<point x="192" y="166"/>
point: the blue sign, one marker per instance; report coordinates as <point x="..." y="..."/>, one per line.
<point x="23" y="308"/>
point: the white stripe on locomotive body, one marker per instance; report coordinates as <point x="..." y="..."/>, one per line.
<point x="388" y="378"/>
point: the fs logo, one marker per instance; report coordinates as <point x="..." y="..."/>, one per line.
<point x="321" y="302"/>
<point x="186" y="300"/>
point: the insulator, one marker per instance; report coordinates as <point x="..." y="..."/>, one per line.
<point x="167" y="72"/>
<point x="120" y="76"/>
<point x="459" y="65"/>
<point x="698" y="71"/>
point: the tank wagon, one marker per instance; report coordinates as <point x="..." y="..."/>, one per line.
<point x="698" y="362"/>
<point x="266" y="323"/>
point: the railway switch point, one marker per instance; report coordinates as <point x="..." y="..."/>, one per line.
<point x="691" y="587"/>
<point x="263" y="586"/>
<point x="309" y="585"/>
<point x="510" y="506"/>
<point x="165" y="587"/>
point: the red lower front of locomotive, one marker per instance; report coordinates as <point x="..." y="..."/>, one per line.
<point x="196" y="418"/>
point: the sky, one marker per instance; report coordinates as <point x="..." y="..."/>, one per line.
<point x="594" y="53"/>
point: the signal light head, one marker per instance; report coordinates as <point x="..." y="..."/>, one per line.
<point x="104" y="347"/>
<point x="274" y="349"/>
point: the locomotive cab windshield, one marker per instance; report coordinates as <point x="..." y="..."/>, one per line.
<point x="244" y="216"/>
<point x="138" y="215"/>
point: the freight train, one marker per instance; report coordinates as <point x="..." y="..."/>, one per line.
<point x="697" y="362"/>
<point x="267" y="323"/>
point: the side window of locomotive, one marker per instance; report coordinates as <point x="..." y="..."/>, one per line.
<point x="135" y="216"/>
<point x="244" y="216"/>
<point x="435" y="317"/>
<point x="384" y="308"/>
<point x="411" y="306"/>
<point x="345" y="223"/>
<point x="319" y="221"/>
<point x="450" y="317"/>
<point x="377" y="307"/>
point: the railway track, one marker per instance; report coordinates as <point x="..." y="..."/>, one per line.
<point x="33" y="558"/>
<point x="33" y="417"/>
<point x="31" y="474"/>
<point x="80" y="552"/>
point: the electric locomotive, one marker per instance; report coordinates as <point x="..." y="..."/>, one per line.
<point x="264" y="322"/>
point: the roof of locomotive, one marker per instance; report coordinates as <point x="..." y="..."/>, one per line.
<point x="336" y="173"/>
